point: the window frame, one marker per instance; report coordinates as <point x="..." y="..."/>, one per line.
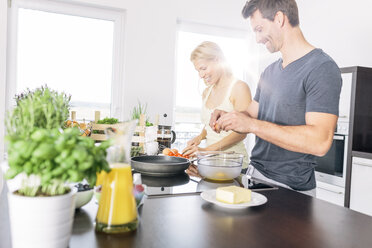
<point x="117" y="16"/>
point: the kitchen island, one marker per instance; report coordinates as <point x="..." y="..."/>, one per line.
<point x="288" y="219"/>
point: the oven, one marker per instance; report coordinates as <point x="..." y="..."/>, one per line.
<point x="331" y="168"/>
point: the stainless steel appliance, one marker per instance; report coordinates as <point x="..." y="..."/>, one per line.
<point x="331" y="168"/>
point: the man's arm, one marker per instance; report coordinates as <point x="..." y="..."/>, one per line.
<point x="315" y="137"/>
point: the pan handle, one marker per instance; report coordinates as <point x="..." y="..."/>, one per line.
<point x="173" y="137"/>
<point x="193" y="159"/>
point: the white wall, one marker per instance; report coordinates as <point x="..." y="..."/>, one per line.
<point x="341" y="29"/>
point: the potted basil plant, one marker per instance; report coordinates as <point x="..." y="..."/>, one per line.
<point x="47" y="158"/>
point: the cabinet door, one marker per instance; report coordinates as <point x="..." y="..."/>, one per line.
<point x="330" y="193"/>
<point x="361" y="185"/>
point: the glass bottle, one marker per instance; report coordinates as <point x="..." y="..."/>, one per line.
<point x="117" y="210"/>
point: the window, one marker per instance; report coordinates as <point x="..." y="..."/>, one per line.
<point x="243" y="59"/>
<point x="69" y="48"/>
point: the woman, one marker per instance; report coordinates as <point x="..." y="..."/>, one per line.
<point x="223" y="92"/>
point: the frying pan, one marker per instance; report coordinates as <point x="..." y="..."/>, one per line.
<point x="175" y="180"/>
<point x="160" y="165"/>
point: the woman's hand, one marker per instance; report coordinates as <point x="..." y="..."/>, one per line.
<point x="193" y="171"/>
<point x="194" y="141"/>
<point x="192" y="146"/>
<point x="192" y="150"/>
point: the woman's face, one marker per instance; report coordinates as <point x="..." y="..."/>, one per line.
<point x="209" y="70"/>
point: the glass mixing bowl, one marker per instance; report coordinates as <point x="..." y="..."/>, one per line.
<point x="219" y="166"/>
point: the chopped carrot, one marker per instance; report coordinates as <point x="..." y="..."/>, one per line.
<point x="175" y="151"/>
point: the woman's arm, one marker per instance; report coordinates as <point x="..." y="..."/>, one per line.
<point x="226" y="142"/>
<point x="241" y="99"/>
<point x="197" y="139"/>
<point x="194" y="142"/>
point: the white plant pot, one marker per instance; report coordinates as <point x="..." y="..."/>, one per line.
<point x="41" y="221"/>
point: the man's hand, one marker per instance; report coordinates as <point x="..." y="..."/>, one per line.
<point x="217" y="114"/>
<point x="239" y="122"/>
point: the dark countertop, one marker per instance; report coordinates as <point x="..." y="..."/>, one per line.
<point x="288" y="219"/>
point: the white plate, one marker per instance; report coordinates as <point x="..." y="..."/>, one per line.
<point x="256" y="200"/>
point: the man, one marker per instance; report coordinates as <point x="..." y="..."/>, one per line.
<point x="295" y="109"/>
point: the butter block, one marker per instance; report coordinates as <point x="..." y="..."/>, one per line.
<point x="233" y="194"/>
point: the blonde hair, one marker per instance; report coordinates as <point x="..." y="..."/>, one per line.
<point x="210" y="51"/>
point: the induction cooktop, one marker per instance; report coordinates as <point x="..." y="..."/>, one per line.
<point x="183" y="184"/>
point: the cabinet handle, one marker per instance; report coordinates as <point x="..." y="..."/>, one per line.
<point x="362" y="164"/>
<point x="338" y="137"/>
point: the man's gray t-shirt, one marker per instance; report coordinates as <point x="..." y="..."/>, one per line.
<point x="310" y="84"/>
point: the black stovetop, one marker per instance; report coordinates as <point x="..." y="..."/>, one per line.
<point x="183" y="184"/>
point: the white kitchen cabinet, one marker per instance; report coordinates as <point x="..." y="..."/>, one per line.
<point x="361" y="185"/>
<point x="330" y="193"/>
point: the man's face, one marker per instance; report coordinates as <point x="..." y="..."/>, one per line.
<point x="267" y="32"/>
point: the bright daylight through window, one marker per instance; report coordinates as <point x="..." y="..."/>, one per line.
<point x="239" y="55"/>
<point x="68" y="53"/>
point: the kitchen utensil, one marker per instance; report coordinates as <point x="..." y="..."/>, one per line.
<point x="160" y="165"/>
<point x="219" y="166"/>
<point x="209" y="154"/>
<point x="179" y="179"/>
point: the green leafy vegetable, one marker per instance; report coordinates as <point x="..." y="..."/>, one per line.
<point x="138" y="110"/>
<point x="108" y="121"/>
<point x="59" y="157"/>
<point x="40" y="148"/>
<point x="41" y="108"/>
<point x="136" y="151"/>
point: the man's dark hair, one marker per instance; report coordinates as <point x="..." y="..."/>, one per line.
<point x="269" y="8"/>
